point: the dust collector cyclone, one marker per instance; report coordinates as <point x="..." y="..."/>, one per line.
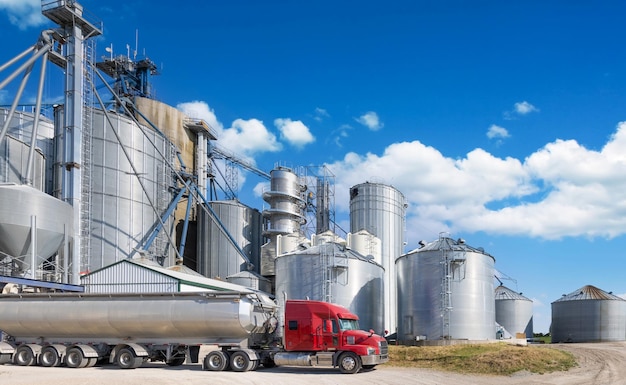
<point x="18" y="205"/>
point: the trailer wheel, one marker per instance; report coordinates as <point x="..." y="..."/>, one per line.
<point x="349" y="363"/>
<point x="75" y="358"/>
<point x="216" y="361"/>
<point x="126" y="359"/>
<point x="240" y="361"/>
<point x="24" y="356"/>
<point x="49" y="357"/>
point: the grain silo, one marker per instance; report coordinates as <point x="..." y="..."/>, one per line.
<point x="514" y="312"/>
<point x="380" y="209"/>
<point x="217" y="255"/>
<point x="125" y="188"/>
<point x="588" y="315"/>
<point x="330" y="272"/>
<point x="445" y="291"/>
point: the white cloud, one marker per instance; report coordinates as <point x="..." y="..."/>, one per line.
<point x="497" y="132"/>
<point x="370" y="120"/>
<point x="294" y="132"/>
<point x="23" y="13"/>
<point x="245" y="137"/>
<point x="561" y="190"/>
<point x="523" y="108"/>
<point x="320" y="114"/>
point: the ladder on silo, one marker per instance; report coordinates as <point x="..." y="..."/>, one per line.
<point x="86" y="182"/>
<point x="446" y="294"/>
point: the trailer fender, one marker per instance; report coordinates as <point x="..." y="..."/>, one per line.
<point x="139" y="351"/>
<point x="6" y="352"/>
<point x="250" y="352"/>
<point x="88" y="351"/>
<point x="7" y="348"/>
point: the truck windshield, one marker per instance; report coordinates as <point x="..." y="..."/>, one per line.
<point x="348" y="324"/>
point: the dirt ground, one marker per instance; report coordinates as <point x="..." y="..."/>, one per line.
<point x="599" y="364"/>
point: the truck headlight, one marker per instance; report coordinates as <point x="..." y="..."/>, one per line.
<point x="371" y="351"/>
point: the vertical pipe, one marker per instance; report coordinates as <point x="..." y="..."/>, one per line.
<point x="28" y="178"/>
<point x="66" y="254"/>
<point x="33" y="246"/>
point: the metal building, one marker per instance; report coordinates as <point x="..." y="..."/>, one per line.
<point x="146" y="276"/>
<point x="330" y="272"/>
<point x="588" y="314"/>
<point x="514" y="312"/>
<point x="217" y="256"/>
<point x="446" y="291"/>
<point x="381" y="210"/>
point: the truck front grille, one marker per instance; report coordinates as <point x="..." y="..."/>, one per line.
<point x="383" y="347"/>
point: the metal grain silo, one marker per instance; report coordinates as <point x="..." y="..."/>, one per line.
<point x="588" y="315"/>
<point x="514" y="312"/>
<point x="217" y="256"/>
<point x="330" y="272"/>
<point x="118" y="211"/>
<point x="15" y="147"/>
<point x="445" y="291"/>
<point x="380" y="209"/>
<point x="284" y="216"/>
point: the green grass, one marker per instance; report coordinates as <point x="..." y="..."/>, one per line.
<point x="491" y="359"/>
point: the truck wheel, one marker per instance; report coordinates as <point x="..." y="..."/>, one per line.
<point x="49" y="357"/>
<point x="239" y="361"/>
<point x="24" y="356"/>
<point x="126" y="359"/>
<point x="254" y="365"/>
<point x="349" y="363"/>
<point x="216" y="361"/>
<point x="268" y="363"/>
<point x="75" y="358"/>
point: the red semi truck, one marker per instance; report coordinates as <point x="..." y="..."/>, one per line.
<point x="243" y="329"/>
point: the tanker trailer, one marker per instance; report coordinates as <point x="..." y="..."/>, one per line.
<point x="79" y="330"/>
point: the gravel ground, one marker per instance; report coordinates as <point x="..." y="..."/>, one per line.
<point x="599" y="364"/>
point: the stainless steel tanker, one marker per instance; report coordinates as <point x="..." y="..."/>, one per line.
<point x="80" y="330"/>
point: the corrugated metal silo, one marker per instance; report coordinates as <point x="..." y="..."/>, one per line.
<point x="119" y="214"/>
<point x="588" y="315"/>
<point x="330" y="272"/>
<point x="381" y="209"/>
<point x="15" y="148"/>
<point x="514" y="312"/>
<point x="217" y="257"/>
<point x="366" y="244"/>
<point x="445" y="291"/>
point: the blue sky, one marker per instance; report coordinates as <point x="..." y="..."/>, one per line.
<point x="501" y="122"/>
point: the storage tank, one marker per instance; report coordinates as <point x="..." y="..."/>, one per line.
<point x="365" y="243"/>
<point x="284" y="216"/>
<point x="217" y="257"/>
<point x="446" y="291"/>
<point x="19" y="206"/>
<point x="588" y="314"/>
<point x="15" y="148"/>
<point x="331" y="273"/>
<point x="381" y="209"/>
<point x="121" y="214"/>
<point x="514" y="312"/>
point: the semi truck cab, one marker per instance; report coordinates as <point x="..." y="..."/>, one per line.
<point x="320" y="333"/>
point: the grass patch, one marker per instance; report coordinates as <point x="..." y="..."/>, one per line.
<point x="493" y="359"/>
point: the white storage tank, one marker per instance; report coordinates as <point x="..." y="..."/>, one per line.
<point x="381" y="210"/>
<point x="514" y="312"/>
<point x="329" y="272"/>
<point x="588" y="314"/>
<point x="446" y="291"/>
